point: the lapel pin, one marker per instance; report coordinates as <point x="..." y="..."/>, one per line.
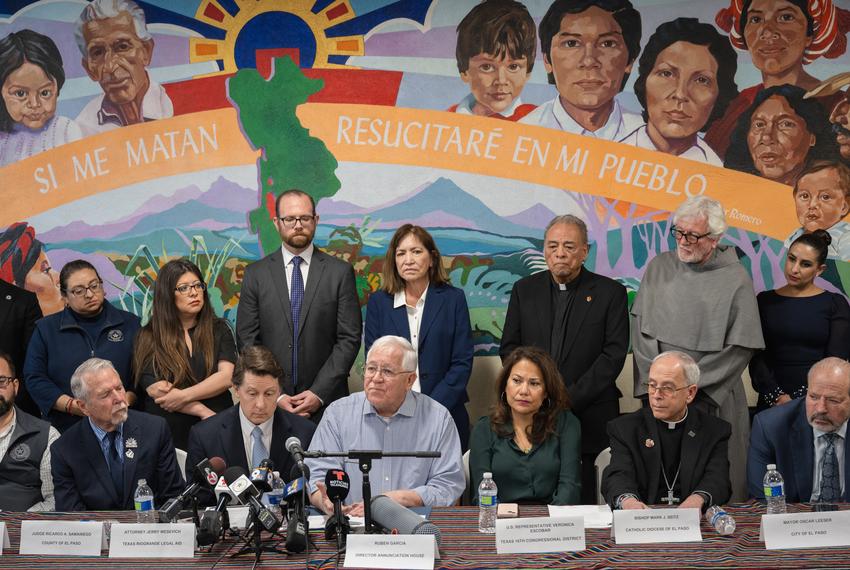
<point x="589" y="298"/>
<point x="129" y="453"/>
<point x="691" y="433"/>
<point x="649" y="443"/>
<point x="131" y="443"/>
<point x="8" y="297"/>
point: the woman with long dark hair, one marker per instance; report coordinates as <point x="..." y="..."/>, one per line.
<point x="184" y="356"/>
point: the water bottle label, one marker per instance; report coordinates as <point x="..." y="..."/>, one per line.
<point x="488" y="501"/>
<point x="274" y="498"/>
<point x="717" y="514"/>
<point x="776" y="490"/>
<point x="144" y="505"/>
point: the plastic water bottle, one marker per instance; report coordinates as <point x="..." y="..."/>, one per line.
<point x="774" y="491"/>
<point x="488" y="504"/>
<point x="722" y="521"/>
<point x="143" y="499"/>
<point x="275" y="496"/>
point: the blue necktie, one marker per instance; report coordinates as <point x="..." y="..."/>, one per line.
<point x="258" y="450"/>
<point x="830" y="486"/>
<point x="116" y="469"/>
<point x="296" y="295"/>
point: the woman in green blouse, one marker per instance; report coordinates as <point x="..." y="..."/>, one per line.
<point x="530" y="441"/>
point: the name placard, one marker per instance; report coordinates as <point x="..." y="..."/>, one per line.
<point x="152" y="540"/>
<point x="61" y="538"/>
<point x="806" y="530"/>
<point x="540" y="534"/>
<point x="656" y="525"/>
<point x="4" y="537"/>
<point x="414" y="551"/>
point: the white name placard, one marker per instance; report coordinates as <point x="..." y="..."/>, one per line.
<point x="643" y="526"/>
<point x="152" y="540"/>
<point x="61" y="538"/>
<point x="414" y="551"/>
<point x="4" y="537"/>
<point x="806" y="530"/>
<point x="540" y="534"/>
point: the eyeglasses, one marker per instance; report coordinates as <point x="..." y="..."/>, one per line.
<point x="290" y="221"/>
<point x="687" y="236"/>
<point x="5" y="381"/>
<point x="186" y="287"/>
<point x="666" y="390"/>
<point x="372" y="370"/>
<point x="95" y="288"/>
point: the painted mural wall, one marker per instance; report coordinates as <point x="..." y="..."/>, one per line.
<point x="133" y="136"/>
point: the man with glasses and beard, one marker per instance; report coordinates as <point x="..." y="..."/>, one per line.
<point x="699" y="300"/>
<point x="301" y="304"/>
<point x="25" y="482"/>
<point x="98" y="461"/>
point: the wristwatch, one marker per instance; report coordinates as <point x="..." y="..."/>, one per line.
<point x="618" y="504"/>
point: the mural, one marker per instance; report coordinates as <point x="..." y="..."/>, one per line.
<point x="132" y="133"/>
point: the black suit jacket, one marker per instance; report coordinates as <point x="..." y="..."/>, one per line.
<point x="331" y="324"/>
<point x="636" y="467"/>
<point x="81" y="477"/>
<point x="19" y="311"/>
<point x="221" y="436"/>
<point x="595" y="344"/>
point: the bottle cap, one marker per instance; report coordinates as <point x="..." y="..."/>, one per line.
<point x="771" y="466"/>
<point x="488" y="475"/>
<point x="142" y="482"/>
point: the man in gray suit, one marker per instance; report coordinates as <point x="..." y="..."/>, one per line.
<point x="302" y="304"/>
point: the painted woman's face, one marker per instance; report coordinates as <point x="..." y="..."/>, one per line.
<point x="43" y="280"/>
<point x="779" y="140"/>
<point x="30" y="96"/>
<point x="775" y="31"/>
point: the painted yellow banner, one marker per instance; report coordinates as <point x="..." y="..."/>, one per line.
<point x="188" y="143"/>
<point x="388" y="135"/>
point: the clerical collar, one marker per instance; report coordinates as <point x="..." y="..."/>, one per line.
<point x="674" y="425"/>
<point x="571" y="286"/>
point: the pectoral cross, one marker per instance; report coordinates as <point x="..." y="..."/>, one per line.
<point x="670" y="499"/>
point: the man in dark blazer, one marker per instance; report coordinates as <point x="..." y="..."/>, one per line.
<point x="793" y="437"/>
<point x="582" y="320"/>
<point x="19" y="311"/>
<point x="668" y="452"/>
<point x="229" y="434"/>
<point x="301" y="298"/>
<point x="98" y="462"/>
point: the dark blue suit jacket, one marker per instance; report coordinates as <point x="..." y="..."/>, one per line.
<point x="81" y="476"/>
<point x="782" y="435"/>
<point x="445" y="345"/>
<point x="221" y="436"/>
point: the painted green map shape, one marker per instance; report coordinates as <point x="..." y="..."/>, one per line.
<point x="291" y="158"/>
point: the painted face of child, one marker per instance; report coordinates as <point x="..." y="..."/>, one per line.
<point x="30" y="96"/>
<point x="495" y="81"/>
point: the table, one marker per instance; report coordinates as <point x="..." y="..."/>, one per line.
<point x="465" y="547"/>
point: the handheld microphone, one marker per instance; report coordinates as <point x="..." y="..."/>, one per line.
<point x="401" y="520"/>
<point x="204" y="475"/>
<point x="293" y="446"/>
<point x="262" y="476"/>
<point x="298" y="526"/>
<point x="337" y="485"/>
<point x="247" y="494"/>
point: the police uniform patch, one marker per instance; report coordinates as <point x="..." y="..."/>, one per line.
<point x="115" y="335"/>
<point x="21" y="452"/>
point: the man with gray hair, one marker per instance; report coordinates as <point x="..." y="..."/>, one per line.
<point x="97" y="463"/>
<point x="389" y="416"/>
<point x="669" y="452"/>
<point x="700" y="300"/>
<point x="117" y="49"/>
<point x="581" y="319"/>
<point x="807" y="439"/>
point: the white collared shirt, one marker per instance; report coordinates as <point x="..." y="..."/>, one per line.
<point x="700" y="151"/>
<point x="820" y="447"/>
<point x="306" y="258"/>
<point x="94" y="119"/>
<point x="248" y="428"/>
<point x="414" y="320"/>
<point x="467" y="103"/>
<point x="553" y="115"/>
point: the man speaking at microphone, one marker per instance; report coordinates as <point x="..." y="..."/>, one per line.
<point x="389" y="416"/>
<point x="254" y="429"/>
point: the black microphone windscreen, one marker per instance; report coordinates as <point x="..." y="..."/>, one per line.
<point x="231" y="474"/>
<point x="337" y="484"/>
<point x="396" y="518"/>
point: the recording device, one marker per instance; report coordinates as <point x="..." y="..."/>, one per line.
<point x="262" y="476"/>
<point x="204" y="476"/>
<point x="293" y="446"/>
<point x="337" y="485"/>
<point x="246" y="493"/>
<point x="210" y="527"/>
<point x="298" y="527"/>
<point x="400" y="520"/>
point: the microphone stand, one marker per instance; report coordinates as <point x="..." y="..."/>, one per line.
<point x="364" y="459"/>
<point x="255" y="527"/>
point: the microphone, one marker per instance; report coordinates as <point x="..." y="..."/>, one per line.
<point x="337" y="485"/>
<point x="247" y="494"/>
<point x="204" y="475"/>
<point x="293" y="446"/>
<point x="298" y="526"/>
<point x="401" y="520"/>
<point x="262" y="476"/>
